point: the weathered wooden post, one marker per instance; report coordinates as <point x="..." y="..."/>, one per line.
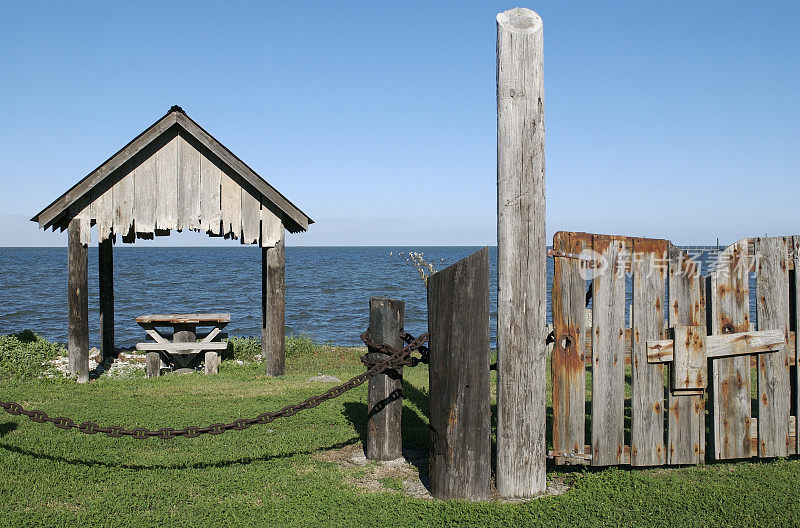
<point x="106" y="273"/>
<point x="273" y="323"/>
<point x="211" y="362"/>
<point x="385" y="391"/>
<point x="521" y="254"/>
<point x="458" y="322"/>
<point x="152" y="367"/>
<point x="78" y="299"/>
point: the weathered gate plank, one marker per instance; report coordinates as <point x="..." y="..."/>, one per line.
<point x="686" y="426"/>
<point x="772" y="287"/>
<point x="796" y="344"/>
<point x="730" y="377"/>
<point x="648" y="267"/>
<point x="608" y="353"/>
<point x="460" y="417"/>
<point x="568" y="371"/>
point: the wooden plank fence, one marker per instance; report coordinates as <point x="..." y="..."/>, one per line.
<point x="688" y="341"/>
<point x="697" y="326"/>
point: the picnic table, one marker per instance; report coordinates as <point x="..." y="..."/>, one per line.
<point x="183" y="344"/>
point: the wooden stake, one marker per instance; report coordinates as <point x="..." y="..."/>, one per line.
<point x="78" y="302"/>
<point x="273" y="323"/>
<point x="152" y="367"/>
<point x="458" y="322"/>
<point x="521" y="295"/>
<point x="385" y="392"/>
<point x="211" y="363"/>
<point x="106" y="273"/>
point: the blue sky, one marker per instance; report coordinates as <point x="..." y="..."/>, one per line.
<point x="677" y="120"/>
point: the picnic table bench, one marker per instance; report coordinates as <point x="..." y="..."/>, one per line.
<point x="181" y="347"/>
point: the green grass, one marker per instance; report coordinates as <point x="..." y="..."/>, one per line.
<point x="247" y="348"/>
<point x="271" y="475"/>
<point x="23" y="355"/>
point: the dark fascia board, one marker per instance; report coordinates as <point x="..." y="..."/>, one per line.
<point x="298" y="221"/>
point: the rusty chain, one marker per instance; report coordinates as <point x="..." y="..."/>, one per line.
<point x="397" y="358"/>
<point x="384" y="348"/>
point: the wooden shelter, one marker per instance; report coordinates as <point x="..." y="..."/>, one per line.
<point x="172" y="176"/>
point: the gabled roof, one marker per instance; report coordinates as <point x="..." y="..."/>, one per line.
<point x="59" y="212"/>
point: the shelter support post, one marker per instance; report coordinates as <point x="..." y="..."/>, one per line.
<point x="521" y="254"/>
<point x="78" y="298"/>
<point x="273" y="323"/>
<point x="106" y="274"/>
<point x="385" y="392"/>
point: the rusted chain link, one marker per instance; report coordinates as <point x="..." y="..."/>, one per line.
<point x="384" y="348"/>
<point x="397" y="358"/>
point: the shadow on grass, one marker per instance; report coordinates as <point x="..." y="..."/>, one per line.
<point x="415" y="430"/>
<point x="199" y="465"/>
<point x="6" y="428"/>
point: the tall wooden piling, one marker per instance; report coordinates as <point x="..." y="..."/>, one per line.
<point x="106" y="290"/>
<point x="458" y="322"/>
<point x="273" y="322"/>
<point x="78" y="297"/>
<point x="521" y="296"/>
<point x="385" y="391"/>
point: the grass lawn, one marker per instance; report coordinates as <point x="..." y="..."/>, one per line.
<point x="280" y="474"/>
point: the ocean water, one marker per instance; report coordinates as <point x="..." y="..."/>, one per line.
<point x="327" y="288"/>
